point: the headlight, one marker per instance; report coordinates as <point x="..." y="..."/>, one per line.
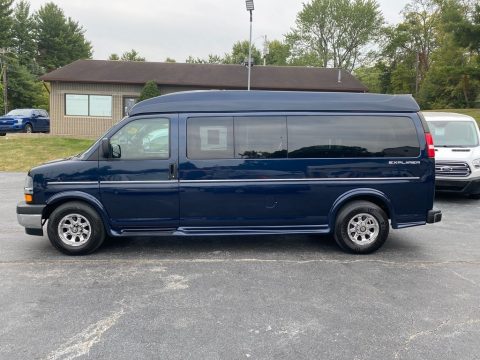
<point x="28" y="185"/>
<point x="28" y="189"/>
<point x="476" y="163"/>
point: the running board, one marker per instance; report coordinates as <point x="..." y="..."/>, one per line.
<point x="217" y="231"/>
<point x="273" y="230"/>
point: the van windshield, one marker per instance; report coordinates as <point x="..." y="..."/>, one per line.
<point x="454" y="133"/>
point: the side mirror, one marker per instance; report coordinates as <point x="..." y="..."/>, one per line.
<point x="105" y="148"/>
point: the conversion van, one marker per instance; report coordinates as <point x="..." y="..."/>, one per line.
<point x="457" y="152"/>
<point x="243" y="163"/>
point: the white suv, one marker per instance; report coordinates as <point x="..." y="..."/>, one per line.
<point x="457" y="152"/>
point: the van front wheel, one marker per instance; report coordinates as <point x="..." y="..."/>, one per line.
<point x="361" y="227"/>
<point x="75" y="228"/>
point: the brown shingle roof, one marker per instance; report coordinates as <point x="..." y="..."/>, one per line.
<point x="206" y="75"/>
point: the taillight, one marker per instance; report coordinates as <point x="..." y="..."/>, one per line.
<point x="430" y="147"/>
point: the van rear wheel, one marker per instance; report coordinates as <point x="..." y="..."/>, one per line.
<point x="361" y="227"/>
<point x="75" y="228"/>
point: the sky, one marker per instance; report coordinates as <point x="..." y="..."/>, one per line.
<point x="158" y="29"/>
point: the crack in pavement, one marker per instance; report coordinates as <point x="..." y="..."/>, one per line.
<point x="434" y="331"/>
<point x="81" y="343"/>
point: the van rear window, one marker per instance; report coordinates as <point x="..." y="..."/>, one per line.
<point x="351" y="136"/>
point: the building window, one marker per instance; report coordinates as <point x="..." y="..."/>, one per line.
<point x="88" y="105"/>
<point x="128" y="103"/>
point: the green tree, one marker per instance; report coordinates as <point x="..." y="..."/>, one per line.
<point x="23" y="31"/>
<point x="24" y="90"/>
<point x="212" y="59"/>
<point x="453" y="79"/>
<point x="170" y="60"/>
<point x="132" y="55"/>
<point x="60" y="40"/>
<point x="239" y="54"/>
<point x="334" y="33"/>
<point x="465" y="25"/>
<point x="278" y="53"/>
<point x="114" y="57"/>
<point x="150" y="90"/>
<point x="6" y="23"/>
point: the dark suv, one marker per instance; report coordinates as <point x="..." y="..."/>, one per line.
<point x="25" y="120"/>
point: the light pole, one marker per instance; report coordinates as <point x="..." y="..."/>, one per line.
<point x="250" y="8"/>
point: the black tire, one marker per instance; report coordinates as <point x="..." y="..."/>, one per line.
<point x="3" y="134"/>
<point x="28" y="129"/>
<point x="86" y="214"/>
<point x="371" y="213"/>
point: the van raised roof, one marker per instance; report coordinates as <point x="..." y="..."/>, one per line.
<point x="258" y="100"/>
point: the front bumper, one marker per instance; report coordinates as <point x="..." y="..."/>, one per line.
<point x="458" y="186"/>
<point x="11" y="128"/>
<point x="30" y="217"/>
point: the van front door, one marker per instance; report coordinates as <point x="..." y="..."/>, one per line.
<point x="138" y="182"/>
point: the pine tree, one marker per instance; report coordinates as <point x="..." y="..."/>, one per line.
<point x="5" y="23"/>
<point x="60" y="40"/>
<point x="23" y="31"/>
<point x="150" y="90"/>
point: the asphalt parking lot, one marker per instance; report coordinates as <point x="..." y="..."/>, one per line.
<point x="287" y="297"/>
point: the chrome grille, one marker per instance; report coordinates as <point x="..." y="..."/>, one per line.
<point x="452" y="169"/>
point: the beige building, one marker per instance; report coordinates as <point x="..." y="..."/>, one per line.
<point x="87" y="97"/>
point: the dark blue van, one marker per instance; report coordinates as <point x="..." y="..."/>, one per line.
<point x="243" y="163"/>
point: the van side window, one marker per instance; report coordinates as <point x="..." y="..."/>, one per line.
<point x="142" y="139"/>
<point x="260" y="137"/>
<point x="351" y="136"/>
<point x="210" y="138"/>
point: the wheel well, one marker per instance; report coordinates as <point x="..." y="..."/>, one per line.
<point x="51" y="208"/>
<point x="373" y="199"/>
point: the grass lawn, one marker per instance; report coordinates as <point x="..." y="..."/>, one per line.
<point x="475" y="113"/>
<point x="22" y="152"/>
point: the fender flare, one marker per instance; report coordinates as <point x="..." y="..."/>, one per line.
<point x="358" y="193"/>
<point x="85" y="197"/>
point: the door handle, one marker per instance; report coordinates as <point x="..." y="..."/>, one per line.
<point x="172" y="171"/>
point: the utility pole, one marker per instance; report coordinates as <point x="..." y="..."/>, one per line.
<point x="265" y="50"/>
<point x="3" y="53"/>
<point x="250" y="8"/>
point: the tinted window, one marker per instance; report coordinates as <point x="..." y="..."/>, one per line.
<point x="260" y="137"/>
<point x="142" y="139"/>
<point x="351" y="136"/>
<point x="210" y="138"/>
